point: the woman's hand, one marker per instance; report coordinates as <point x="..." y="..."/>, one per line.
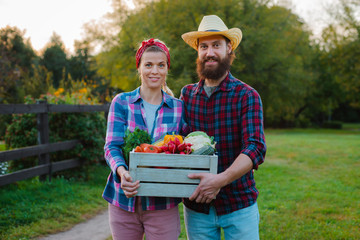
<point x="127" y="185"/>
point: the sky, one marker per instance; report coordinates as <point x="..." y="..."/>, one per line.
<point x="40" y="18"/>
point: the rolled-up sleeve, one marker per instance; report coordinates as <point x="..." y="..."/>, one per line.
<point x="253" y="138"/>
<point x="115" y="136"/>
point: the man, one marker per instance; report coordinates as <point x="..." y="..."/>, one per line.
<point x="231" y="111"/>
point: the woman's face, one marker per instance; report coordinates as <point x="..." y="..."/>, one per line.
<point x="153" y="69"/>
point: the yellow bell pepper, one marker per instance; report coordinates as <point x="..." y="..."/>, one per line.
<point x="172" y="137"/>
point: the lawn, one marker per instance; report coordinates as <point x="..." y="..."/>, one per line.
<point x="309" y="185"/>
<point x="309" y="189"/>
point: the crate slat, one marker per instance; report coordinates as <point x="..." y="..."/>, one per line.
<point x="167" y="175"/>
<point x="173" y="160"/>
<point x="165" y="190"/>
<point x="171" y="181"/>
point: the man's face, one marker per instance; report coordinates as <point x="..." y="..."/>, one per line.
<point x="213" y="57"/>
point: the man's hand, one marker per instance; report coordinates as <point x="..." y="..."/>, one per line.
<point x="129" y="187"/>
<point x="210" y="184"/>
<point x="208" y="187"/>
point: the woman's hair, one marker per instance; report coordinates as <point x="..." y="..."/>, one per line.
<point x="155" y="46"/>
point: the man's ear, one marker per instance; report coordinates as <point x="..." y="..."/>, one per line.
<point x="229" y="47"/>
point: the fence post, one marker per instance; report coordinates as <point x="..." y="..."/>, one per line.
<point x="43" y="137"/>
<point x="106" y="112"/>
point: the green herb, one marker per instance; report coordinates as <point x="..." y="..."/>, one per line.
<point x="133" y="139"/>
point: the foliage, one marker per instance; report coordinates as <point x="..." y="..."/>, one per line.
<point x="274" y="59"/>
<point x="19" y="75"/>
<point x="3" y="165"/>
<point x="80" y="65"/>
<point x="55" y="61"/>
<point x="274" y="56"/>
<point x="37" y="83"/>
<point x="21" y="132"/>
<point x="89" y="128"/>
<point x="302" y="83"/>
<point x="338" y="64"/>
<point x="16" y="47"/>
<point x="16" y="57"/>
<point x="332" y="124"/>
<point x="133" y="139"/>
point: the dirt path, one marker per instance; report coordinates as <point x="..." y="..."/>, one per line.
<point x="96" y="228"/>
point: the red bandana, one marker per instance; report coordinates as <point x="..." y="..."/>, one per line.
<point x="148" y="43"/>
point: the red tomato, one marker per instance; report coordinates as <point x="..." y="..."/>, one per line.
<point x="151" y="149"/>
<point x="144" y="145"/>
<point x="138" y="149"/>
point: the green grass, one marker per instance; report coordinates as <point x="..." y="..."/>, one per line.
<point x="309" y="185"/>
<point x="309" y="189"/>
<point x="32" y="208"/>
<point x="352" y="126"/>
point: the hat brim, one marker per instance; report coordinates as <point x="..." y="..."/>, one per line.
<point x="233" y="34"/>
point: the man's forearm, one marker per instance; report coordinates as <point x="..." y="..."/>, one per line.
<point x="240" y="166"/>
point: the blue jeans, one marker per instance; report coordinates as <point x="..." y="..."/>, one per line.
<point x="242" y="224"/>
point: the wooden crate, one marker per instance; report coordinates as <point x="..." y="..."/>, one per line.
<point x="172" y="181"/>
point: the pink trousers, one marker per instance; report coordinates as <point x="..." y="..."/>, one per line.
<point x="156" y="225"/>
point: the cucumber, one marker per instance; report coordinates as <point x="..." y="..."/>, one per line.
<point x="204" y="150"/>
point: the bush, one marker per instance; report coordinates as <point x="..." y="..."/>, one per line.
<point x="332" y="124"/>
<point x="89" y="128"/>
<point x="21" y="132"/>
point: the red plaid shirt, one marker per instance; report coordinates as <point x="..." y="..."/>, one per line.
<point x="233" y="115"/>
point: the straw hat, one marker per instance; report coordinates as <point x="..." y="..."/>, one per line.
<point x="213" y="25"/>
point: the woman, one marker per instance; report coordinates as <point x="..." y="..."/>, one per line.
<point x="150" y="107"/>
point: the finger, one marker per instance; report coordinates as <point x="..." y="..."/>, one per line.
<point x="200" y="199"/>
<point x="194" y="195"/>
<point x="130" y="184"/>
<point x="194" y="175"/>
<point x="208" y="200"/>
<point x="128" y="177"/>
<point x="130" y="194"/>
<point x="131" y="189"/>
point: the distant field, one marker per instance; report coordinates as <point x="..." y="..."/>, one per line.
<point x="351" y="126"/>
<point x="309" y="185"/>
<point x="309" y="189"/>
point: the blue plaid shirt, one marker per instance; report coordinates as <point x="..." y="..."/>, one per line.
<point x="127" y="112"/>
<point x="233" y="115"/>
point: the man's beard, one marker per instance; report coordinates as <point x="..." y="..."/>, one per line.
<point x="213" y="73"/>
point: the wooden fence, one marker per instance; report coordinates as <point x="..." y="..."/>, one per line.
<point x="45" y="167"/>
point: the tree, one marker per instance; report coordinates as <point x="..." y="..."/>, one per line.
<point x="347" y="51"/>
<point x="340" y="61"/>
<point x="55" y="60"/>
<point x="16" y="58"/>
<point x="274" y="56"/>
<point x="80" y="64"/>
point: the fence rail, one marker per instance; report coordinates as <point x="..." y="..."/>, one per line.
<point x="45" y="167"/>
<point x="48" y="108"/>
<point x="36" y="150"/>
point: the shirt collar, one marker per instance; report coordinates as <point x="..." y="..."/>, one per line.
<point x="224" y="85"/>
<point x="166" y="98"/>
